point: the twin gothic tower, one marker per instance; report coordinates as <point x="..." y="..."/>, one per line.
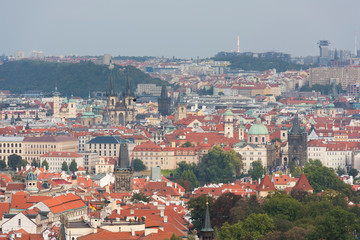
<point x="120" y="111"/>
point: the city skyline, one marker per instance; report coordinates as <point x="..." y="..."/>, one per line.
<point x="181" y="29"/>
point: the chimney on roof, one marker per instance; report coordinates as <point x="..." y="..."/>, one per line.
<point x="162" y="213"/>
<point x="132" y="232"/>
<point x="118" y="209"/>
<point x="132" y="211"/>
<point x="165" y="219"/>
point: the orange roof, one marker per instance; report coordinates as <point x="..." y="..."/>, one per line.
<point x="104" y="234"/>
<point x="266" y="184"/>
<point x="303" y="184"/>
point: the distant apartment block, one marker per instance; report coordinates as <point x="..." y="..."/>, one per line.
<point x="326" y="75"/>
<point x="19" y="55"/>
<point x="148" y="89"/>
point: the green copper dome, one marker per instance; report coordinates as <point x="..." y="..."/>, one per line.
<point x="258" y="128"/>
<point x="228" y="113"/>
<point x="31" y="176"/>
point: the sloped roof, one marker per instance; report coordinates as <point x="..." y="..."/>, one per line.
<point x="303" y="184"/>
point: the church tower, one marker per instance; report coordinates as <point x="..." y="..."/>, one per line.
<point x="241" y="131"/>
<point x="180" y="108"/>
<point x="297" y="142"/>
<point x="164" y="102"/>
<point x="207" y="232"/>
<point x="129" y="100"/>
<point x="228" y="124"/>
<point x="56" y="100"/>
<point x="331" y="108"/>
<point x="283" y="133"/>
<point x="31" y="182"/>
<point x="123" y="172"/>
<point x="111" y="96"/>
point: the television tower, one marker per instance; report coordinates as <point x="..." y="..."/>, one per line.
<point x="355" y="52"/>
<point x="238" y="44"/>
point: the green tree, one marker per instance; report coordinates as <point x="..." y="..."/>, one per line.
<point x="64" y="167"/>
<point x="257" y="225"/>
<point x="223" y="206"/>
<point x="188" y="175"/>
<point x="353" y="172"/>
<point x="45" y="165"/>
<point x="257" y="170"/>
<point x="197" y="208"/>
<point x="15" y="161"/>
<point x="231" y="232"/>
<point x="2" y="164"/>
<point x="243" y="208"/>
<point x="186" y="144"/>
<point x="336" y="224"/>
<point x="73" y="166"/>
<point x="322" y="178"/>
<point x="183" y="166"/>
<point x="138" y="165"/>
<point x="34" y="163"/>
<point x="137" y="197"/>
<point x="282" y="204"/>
<point x="340" y="171"/>
<point x="219" y="166"/>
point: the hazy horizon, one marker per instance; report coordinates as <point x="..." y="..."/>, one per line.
<point x="175" y="28"/>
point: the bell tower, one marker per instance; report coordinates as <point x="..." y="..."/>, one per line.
<point x="228" y="124"/>
<point x="180" y="108"/>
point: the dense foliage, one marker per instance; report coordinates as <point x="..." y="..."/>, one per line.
<point x="324" y="89"/>
<point x="218" y="166"/>
<point x="279" y="216"/>
<point x="138" y="165"/>
<point x="73" y="166"/>
<point x="2" y="164"/>
<point x="137" y="197"/>
<point x="16" y="162"/>
<point x="64" y="167"/>
<point x="248" y="63"/>
<point x="45" y="165"/>
<point x="77" y="78"/>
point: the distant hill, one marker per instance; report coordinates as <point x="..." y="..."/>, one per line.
<point x="77" y="78"/>
<point x="249" y="63"/>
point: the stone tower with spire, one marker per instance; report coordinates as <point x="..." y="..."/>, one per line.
<point x="228" y="124"/>
<point x="297" y="143"/>
<point x="180" y="108"/>
<point x="56" y="100"/>
<point x="120" y="112"/>
<point x="164" y="102"/>
<point x="207" y="232"/>
<point x="123" y="172"/>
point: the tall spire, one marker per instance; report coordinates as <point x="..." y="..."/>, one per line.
<point x="296" y="126"/>
<point x="111" y="90"/>
<point x="207" y="225"/>
<point x="128" y="86"/>
<point x="123" y="161"/>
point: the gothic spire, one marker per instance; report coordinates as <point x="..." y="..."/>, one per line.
<point x="111" y="90"/>
<point x="128" y="86"/>
<point x="296" y="126"/>
<point x="207" y="226"/>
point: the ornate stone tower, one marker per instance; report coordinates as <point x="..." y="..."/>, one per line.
<point x="164" y="102"/>
<point x="241" y="131"/>
<point x="31" y="182"/>
<point x="283" y="133"/>
<point x="207" y="232"/>
<point x="180" y="108"/>
<point x="123" y="111"/>
<point x="297" y="142"/>
<point x="129" y="100"/>
<point x="123" y="172"/>
<point x="228" y="124"/>
<point x="56" y="100"/>
<point x="331" y="108"/>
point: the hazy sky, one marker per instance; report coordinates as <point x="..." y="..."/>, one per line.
<point x="181" y="28"/>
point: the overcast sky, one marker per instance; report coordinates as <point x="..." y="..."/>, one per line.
<point x="181" y="28"/>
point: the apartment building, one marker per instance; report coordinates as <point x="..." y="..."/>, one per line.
<point x="9" y="146"/>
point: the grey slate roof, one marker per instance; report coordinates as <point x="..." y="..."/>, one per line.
<point x="107" y="140"/>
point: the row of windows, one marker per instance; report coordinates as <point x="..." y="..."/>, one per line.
<point x="251" y="153"/>
<point x="10" y="151"/>
<point x="9" y="144"/>
<point x="99" y="146"/>
<point x="251" y="158"/>
<point x="39" y="146"/>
